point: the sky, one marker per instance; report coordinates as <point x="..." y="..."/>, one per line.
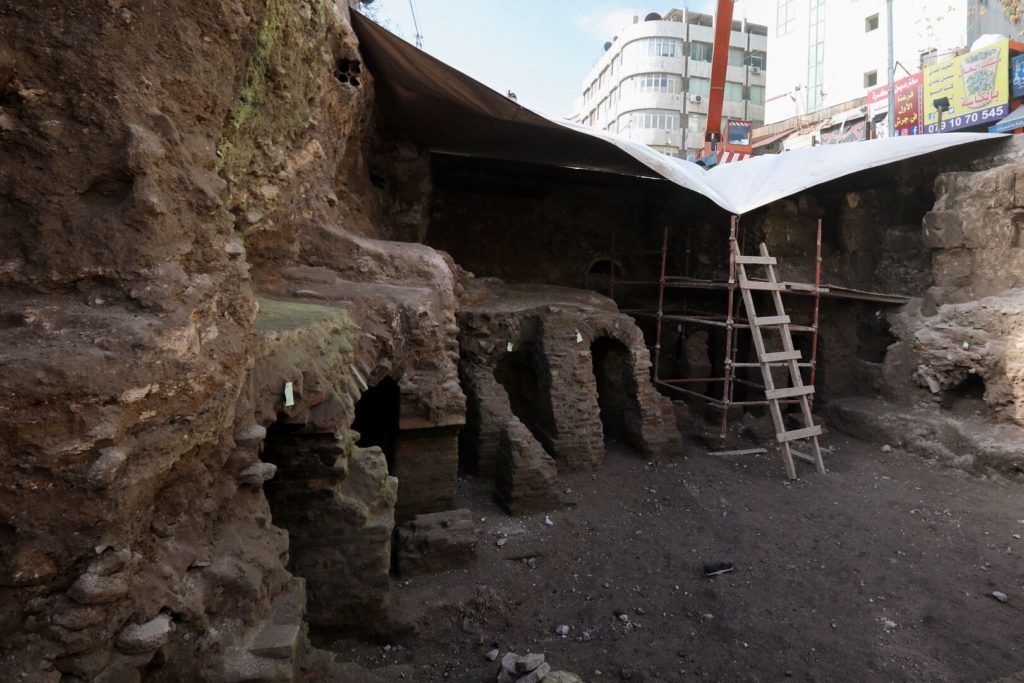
<point x="539" y="49"/>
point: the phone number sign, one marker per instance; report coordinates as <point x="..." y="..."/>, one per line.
<point x="974" y="118"/>
<point x="976" y="84"/>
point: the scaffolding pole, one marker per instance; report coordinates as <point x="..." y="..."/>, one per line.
<point x="732" y="322"/>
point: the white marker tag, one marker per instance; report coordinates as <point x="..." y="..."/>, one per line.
<point x="289" y="395"/>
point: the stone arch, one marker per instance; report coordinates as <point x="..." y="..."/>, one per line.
<point x="529" y="394"/>
<point x="617" y="392"/>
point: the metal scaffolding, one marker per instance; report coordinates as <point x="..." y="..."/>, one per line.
<point x="733" y="321"/>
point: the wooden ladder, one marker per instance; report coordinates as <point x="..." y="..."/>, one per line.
<point x="789" y="357"/>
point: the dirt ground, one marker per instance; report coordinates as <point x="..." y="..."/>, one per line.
<point x="881" y="570"/>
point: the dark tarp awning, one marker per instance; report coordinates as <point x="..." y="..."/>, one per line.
<point x="444" y="110"/>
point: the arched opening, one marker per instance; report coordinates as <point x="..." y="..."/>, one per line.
<point x="617" y="392"/>
<point x="377" y="415"/>
<point x="528" y="396"/>
<point x="599" y="275"/>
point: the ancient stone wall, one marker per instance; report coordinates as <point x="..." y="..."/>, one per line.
<point x="556" y="329"/>
<point x="953" y="380"/>
<point x="161" y="165"/>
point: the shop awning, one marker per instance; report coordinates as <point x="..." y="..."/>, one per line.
<point x="1013" y="121"/>
<point x="444" y="110"/>
<point x="773" y="138"/>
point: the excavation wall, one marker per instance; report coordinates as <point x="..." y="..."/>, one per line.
<point x="195" y="298"/>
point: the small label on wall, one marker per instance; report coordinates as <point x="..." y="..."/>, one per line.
<point x="509" y="347"/>
<point x="289" y="395"/>
<point x="579" y="337"/>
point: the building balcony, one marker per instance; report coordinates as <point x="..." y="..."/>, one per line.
<point x="736" y="74"/>
<point x="654" y="137"/>
<point x="660" y="100"/>
<point x="703" y="33"/>
<point x="643" y="65"/>
<point x="734" y="110"/>
<point x="698" y="69"/>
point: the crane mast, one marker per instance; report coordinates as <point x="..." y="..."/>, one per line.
<point x="714" y="141"/>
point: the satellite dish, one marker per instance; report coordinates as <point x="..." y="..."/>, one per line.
<point x="607" y="46"/>
<point x="653" y="16"/>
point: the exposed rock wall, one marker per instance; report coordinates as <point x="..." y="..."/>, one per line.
<point x="954" y="378"/>
<point x="159" y="164"/>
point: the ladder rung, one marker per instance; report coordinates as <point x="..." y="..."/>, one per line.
<point x="791" y="392"/>
<point x="776" y="356"/>
<point x="770" y="320"/>
<point x="763" y="286"/>
<point x="802" y="456"/>
<point x="805" y="433"/>
<point x="801" y="328"/>
<point x="756" y="260"/>
<point x="774" y="365"/>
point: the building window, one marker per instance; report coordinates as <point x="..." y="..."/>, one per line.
<point x="659" y="82"/>
<point x="696" y="123"/>
<point x="785" y="18"/>
<point x="655" y="119"/>
<point x="871" y="23"/>
<point x="700" y="87"/>
<point x="870" y="79"/>
<point x="736" y="56"/>
<point x="758" y="59"/>
<point x="757" y="95"/>
<point x="700" y="52"/>
<point x="815" y="54"/>
<point x="733" y="92"/>
<point x="664" y="47"/>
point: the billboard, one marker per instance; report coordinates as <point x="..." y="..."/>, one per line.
<point x="977" y="85"/>
<point x="1017" y="76"/>
<point x="908" y="103"/>
<point x="853" y="130"/>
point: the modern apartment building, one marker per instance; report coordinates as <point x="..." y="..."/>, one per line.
<point x="653" y="81"/>
<point x="826" y="52"/>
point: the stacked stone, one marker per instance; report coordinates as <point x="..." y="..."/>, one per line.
<point x="526" y="476"/>
<point x="337" y="501"/>
<point x="531" y="668"/>
<point x="436" y="542"/>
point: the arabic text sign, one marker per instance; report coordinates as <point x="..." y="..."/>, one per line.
<point x="977" y="85"/>
<point x="908" y="103"/>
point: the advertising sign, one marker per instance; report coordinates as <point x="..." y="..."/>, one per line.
<point x="977" y="85"/>
<point x="1017" y="76"/>
<point x="848" y="131"/>
<point x="908" y="103"/>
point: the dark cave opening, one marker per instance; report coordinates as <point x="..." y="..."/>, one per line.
<point x="529" y="398"/>
<point x="377" y="415"/>
<point x="616" y="391"/>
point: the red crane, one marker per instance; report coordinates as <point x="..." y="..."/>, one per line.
<point x="738" y="137"/>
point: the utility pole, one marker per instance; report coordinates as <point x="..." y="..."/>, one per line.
<point x="892" y="72"/>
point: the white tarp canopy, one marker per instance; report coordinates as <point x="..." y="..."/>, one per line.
<point x="444" y="110"/>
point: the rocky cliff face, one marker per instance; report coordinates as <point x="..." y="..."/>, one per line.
<point x="162" y="165"/>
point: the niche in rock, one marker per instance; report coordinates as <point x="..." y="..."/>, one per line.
<point x="616" y="392"/>
<point x="967" y="397"/>
<point x="528" y="395"/>
<point x="377" y="414"/>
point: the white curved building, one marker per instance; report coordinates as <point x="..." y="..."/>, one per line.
<point x="652" y="83"/>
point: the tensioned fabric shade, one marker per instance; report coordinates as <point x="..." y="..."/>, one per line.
<point x="444" y="110"/>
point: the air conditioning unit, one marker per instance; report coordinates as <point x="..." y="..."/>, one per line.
<point x="755" y="70"/>
<point x="695" y="99"/>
